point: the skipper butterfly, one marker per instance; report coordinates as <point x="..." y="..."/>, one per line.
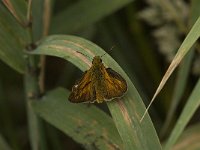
<point x="98" y="84"/>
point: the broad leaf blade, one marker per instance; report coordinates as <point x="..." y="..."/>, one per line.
<point x="87" y="125"/>
<point x="84" y="13"/>
<point x="127" y="111"/>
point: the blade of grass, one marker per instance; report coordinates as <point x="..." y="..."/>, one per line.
<point x="183" y="72"/>
<point x="187" y="113"/>
<point x="189" y="139"/>
<point x="85" y="12"/>
<point x="126" y="111"/>
<point x="18" y="10"/>
<point x="180" y="86"/>
<point x="3" y="144"/>
<point x="85" y="124"/>
<point x="190" y="39"/>
<point x="13" y="39"/>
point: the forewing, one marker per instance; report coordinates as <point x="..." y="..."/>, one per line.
<point x="115" y="84"/>
<point x="83" y="90"/>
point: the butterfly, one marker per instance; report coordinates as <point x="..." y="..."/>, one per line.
<point x="98" y="84"/>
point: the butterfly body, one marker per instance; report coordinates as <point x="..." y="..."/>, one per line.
<point x="98" y="84"/>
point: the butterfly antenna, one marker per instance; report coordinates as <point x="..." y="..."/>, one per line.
<point x="103" y="55"/>
<point x="112" y="47"/>
<point x="110" y="50"/>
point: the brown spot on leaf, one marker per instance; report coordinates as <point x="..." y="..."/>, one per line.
<point x="124" y="112"/>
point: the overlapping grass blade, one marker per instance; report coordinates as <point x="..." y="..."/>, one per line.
<point x="126" y="111"/>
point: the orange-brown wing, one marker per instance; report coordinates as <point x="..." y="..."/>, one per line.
<point x="115" y="85"/>
<point x="83" y="90"/>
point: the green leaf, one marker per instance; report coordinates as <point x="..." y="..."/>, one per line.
<point x="13" y="39"/>
<point x="87" y="125"/>
<point x="187" y="113"/>
<point x="84" y="13"/>
<point x="3" y="144"/>
<point x="126" y="111"/>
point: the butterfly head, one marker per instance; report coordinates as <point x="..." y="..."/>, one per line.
<point x="96" y="60"/>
